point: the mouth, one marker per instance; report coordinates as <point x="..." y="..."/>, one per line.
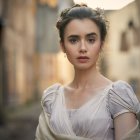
<point x="83" y="59"/>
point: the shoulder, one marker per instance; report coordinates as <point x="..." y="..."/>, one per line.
<point x="122" y="88"/>
<point x="122" y="85"/>
<point x="121" y="99"/>
<point x="50" y="91"/>
<point x="49" y="96"/>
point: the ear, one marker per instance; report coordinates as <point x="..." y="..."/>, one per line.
<point x="62" y="46"/>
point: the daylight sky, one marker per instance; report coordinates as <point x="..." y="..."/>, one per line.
<point x="105" y="4"/>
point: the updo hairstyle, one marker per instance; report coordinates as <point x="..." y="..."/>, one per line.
<point x="81" y="11"/>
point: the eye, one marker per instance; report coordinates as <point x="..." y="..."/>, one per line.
<point x="73" y="40"/>
<point x="91" y="40"/>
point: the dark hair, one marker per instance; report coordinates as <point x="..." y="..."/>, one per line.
<point x="81" y="11"/>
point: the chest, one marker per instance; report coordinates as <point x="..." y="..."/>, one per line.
<point x="74" y="99"/>
<point x="92" y="119"/>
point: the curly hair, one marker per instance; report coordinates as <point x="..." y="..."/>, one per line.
<point x="81" y="11"/>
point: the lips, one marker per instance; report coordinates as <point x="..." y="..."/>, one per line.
<point x="83" y="59"/>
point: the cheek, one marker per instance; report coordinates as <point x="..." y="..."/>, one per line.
<point x="70" y="54"/>
<point x="96" y="49"/>
<point x="70" y="58"/>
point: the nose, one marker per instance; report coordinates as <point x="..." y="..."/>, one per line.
<point x="83" y="47"/>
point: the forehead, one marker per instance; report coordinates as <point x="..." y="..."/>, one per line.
<point x="81" y="27"/>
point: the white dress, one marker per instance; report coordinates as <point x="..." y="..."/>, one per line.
<point x="94" y="119"/>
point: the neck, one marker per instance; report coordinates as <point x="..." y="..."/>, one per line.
<point x="85" y="78"/>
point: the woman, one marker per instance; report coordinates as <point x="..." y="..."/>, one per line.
<point x="91" y="107"/>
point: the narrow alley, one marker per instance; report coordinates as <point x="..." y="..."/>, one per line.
<point x="22" y="124"/>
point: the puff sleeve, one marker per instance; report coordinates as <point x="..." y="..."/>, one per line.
<point x="48" y="98"/>
<point x="122" y="99"/>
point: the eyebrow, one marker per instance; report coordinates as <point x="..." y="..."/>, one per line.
<point x="73" y="36"/>
<point x="89" y="34"/>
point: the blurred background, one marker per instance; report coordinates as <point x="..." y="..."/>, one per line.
<point x="31" y="59"/>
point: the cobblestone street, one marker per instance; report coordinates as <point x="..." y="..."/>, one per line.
<point x="21" y="125"/>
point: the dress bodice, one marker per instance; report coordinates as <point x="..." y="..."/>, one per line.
<point x="94" y="119"/>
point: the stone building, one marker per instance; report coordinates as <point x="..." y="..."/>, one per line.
<point x="50" y="59"/>
<point x="30" y="53"/>
<point x="123" y="45"/>
<point x="18" y="44"/>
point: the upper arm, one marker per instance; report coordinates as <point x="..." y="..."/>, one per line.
<point x="123" y="124"/>
<point x="123" y="106"/>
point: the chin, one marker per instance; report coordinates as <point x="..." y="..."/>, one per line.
<point x="82" y="67"/>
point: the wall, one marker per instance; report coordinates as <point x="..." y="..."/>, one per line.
<point x="123" y="49"/>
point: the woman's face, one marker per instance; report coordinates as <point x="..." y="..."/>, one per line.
<point x="82" y="43"/>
